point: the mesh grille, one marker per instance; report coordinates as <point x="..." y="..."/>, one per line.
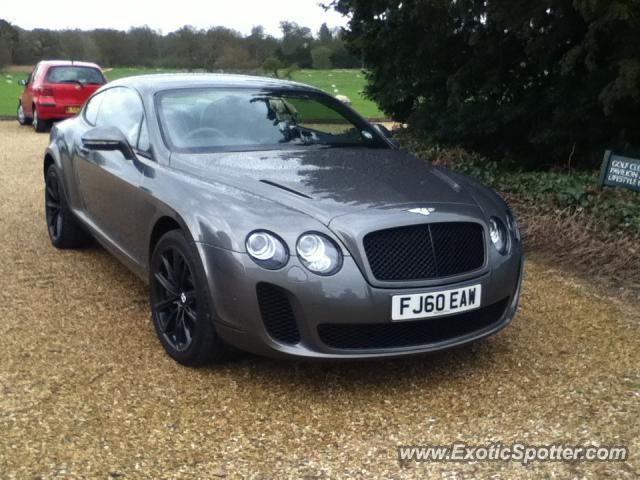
<point x="277" y="314"/>
<point x="425" y="252"/>
<point x="410" y="334"/>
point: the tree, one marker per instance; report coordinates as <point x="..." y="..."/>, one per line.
<point x="44" y="44"/>
<point x="144" y="46"/>
<point x="186" y="49"/>
<point x="114" y="47"/>
<point x="321" y="58"/>
<point x="5" y="53"/>
<point x="325" y="36"/>
<point x="9" y="37"/>
<point x="273" y="65"/>
<point x="547" y="77"/>
<point x="260" y="45"/>
<point x="295" y="47"/>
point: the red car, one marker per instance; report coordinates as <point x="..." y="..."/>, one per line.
<point x="56" y="90"/>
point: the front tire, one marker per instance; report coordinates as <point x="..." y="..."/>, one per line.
<point x="39" y="125"/>
<point x="21" y="116"/>
<point x="64" y="230"/>
<point x="180" y="304"/>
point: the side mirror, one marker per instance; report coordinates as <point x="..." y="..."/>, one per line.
<point x="24" y="83"/>
<point x="107" y="139"/>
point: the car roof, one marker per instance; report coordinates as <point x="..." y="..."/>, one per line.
<point x="169" y="81"/>
<point x="68" y="63"/>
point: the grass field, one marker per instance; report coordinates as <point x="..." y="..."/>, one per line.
<point x="336" y="82"/>
<point x="10" y="92"/>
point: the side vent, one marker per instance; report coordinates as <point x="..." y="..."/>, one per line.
<point x="277" y="314"/>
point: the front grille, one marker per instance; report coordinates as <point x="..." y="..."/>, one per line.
<point x="410" y="334"/>
<point x="277" y="314"/>
<point x="425" y="252"/>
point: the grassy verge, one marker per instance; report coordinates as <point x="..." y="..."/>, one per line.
<point x="10" y="91"/>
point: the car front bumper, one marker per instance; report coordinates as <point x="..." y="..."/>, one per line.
<point x="344" y="299"/>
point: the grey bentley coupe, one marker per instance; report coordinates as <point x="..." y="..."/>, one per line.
<point x="269" y="217"/>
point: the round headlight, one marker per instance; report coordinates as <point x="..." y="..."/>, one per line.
<point x="319" y="254"/>
<point x="499" y="235"/>
<point x="267" y="250"/>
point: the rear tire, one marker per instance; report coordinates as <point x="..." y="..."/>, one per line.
<point x="21" y="116"/>
<point x="64" y="230"/>
<point x="180" y="305"/>
<point x="39" y="125"/>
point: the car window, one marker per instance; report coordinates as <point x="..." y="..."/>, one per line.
<point x="75" y="74"/>
<point x="35" y="74"/>
<point x="122" y="108"/>
<point x="92" y="108"/>
<point x="244" y="119"/>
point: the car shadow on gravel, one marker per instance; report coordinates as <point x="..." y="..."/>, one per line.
<point x="440" y="367"/>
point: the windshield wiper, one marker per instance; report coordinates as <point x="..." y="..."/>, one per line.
<point x="73" y="81"/>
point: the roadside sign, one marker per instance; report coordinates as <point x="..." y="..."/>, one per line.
<point x="618" y="171"/>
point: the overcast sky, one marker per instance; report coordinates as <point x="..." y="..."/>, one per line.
<point x="168" y="15"/>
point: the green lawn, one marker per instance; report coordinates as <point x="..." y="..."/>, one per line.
<point x="10" y="91"/>
<point x="336" y="82"/>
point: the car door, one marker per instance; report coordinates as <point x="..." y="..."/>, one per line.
<point x="109" y="184"/>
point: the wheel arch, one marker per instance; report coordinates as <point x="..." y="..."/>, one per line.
<point x="162" y="225"/>
<point x="48" y="162"/>
<point x="166" y="221"/>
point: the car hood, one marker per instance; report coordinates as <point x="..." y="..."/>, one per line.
<point x="330" y="182"/>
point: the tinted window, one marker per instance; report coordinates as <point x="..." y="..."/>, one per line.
<point x="92" y="108"/>
<point x="122" y="108"/>
<point x="83" y="75"/>
<point x="197" y="119"/>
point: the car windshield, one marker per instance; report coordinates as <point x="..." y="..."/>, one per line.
<point x="74" y="74"/>
<point x="217" y="119"/>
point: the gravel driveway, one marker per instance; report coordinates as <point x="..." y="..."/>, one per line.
<point x="87" y="392"/>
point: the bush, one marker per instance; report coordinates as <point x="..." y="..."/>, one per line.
<point x="321" y="58"/>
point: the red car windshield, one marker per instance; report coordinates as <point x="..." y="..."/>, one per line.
<point x="75" y="74"/>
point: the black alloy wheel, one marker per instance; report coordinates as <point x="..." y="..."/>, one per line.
<point x="64" y="229"/>
<point x="180" y="304"/>
<point x="53" y="206"/>
<point x="175" y="303"/>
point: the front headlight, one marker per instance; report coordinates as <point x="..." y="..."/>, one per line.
<point x="267" y="250"/>
<point x="499" y="235"/>
<point x="319" y="254"/>
<point x="512" y="224"/>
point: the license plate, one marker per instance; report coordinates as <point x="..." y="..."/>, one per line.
<point x="74" y="110"/>
<point x="435" y="304"/>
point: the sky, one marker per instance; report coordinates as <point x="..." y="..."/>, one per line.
<point x="168" y="15"/>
